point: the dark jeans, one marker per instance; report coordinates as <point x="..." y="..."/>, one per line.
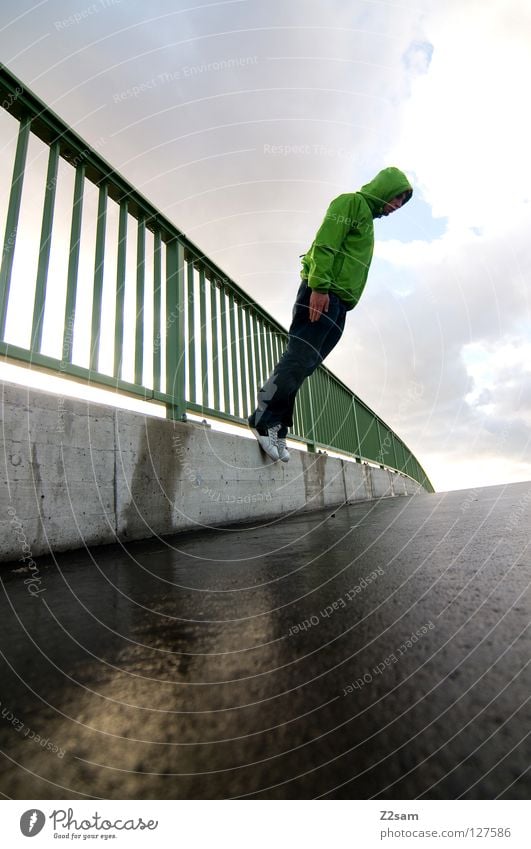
<point x="308" y="344"/>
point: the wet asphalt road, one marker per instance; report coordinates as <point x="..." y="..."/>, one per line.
<point x="381" y="653"/>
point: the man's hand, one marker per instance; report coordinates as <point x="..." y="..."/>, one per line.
<point x="318" y="305"/>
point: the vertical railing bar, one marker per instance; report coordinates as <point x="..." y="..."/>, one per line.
<point x="175" y="347"/>
<point x="316" y="396"/>
<point x="120" y="291"/>
<point x="396" y="451"/>
<point x="157" y="311"/>
<point x="276" y="342"/>
<point x="139" y="300"/>
<point x="252" y="342"/>
<point x="262" y="344"/>
<point x="302" y="405"/>
<point x="98" y="277"/>
<point x="44" y="248"/>
<point x="338" y="419"/>
<point x="274" y="348"/>
<point x="13" y="212"/>
<point x="393" y="443"/>
<point x="365" y="434"/>
<point x="234" y="358"/>
<point x="265" y="344"/>
<point x="203" y="338"/>
<point x="246" y="401"/>
<point x="307" y="411"/>
<point x="327" y="392"/>
<point x="266" y="355"/>
<point x="280" y="347"/>
<point x="296" y="429"/>
<point x="73" y="265"/>
<point x="298" y="426"/>
<point x="262" y="335"/>
<point x="250" y="364"/>
<point x="400" y="464"/>
<point x="331" y="409"/>
<point x="356" y="428"/>
<point x="316" y="406"/>
<point x="259" y="375"/>
<point x="374" y="438"/>
<point x="191" y="332"/>
<point x="270" y="354"/>
<point x="379" y="452"/>
<point x="312" y="430"/>
<point x="225" y="351"/>
<point x="362" y="430"/>
<point x="215" y="346"/>
<point x="345" y="423"/>
<point x="387" y="447"/>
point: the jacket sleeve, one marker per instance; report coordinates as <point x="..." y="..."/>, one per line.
<point x="329" y="240"/>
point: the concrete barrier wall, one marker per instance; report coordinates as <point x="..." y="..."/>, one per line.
<point x="80" y="474"/>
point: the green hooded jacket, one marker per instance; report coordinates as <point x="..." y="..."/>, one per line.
<point x="339" y="258"/>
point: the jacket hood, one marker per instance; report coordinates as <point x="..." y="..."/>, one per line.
<point x="384" y="187"/>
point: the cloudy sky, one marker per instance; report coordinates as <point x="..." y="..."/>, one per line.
<point x="241" y="120"/>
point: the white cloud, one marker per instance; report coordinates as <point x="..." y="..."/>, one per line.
<point x="466" y="131"/>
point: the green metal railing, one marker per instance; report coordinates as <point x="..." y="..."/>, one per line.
<point x="200" y="343"/>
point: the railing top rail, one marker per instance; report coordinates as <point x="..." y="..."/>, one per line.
<point x="49" y="127"/>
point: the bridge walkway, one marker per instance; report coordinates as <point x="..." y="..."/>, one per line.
<point x="380" y="651"/>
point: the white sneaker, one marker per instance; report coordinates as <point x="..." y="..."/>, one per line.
<point x="268" y="443"/>
<point x="283" y="453"/>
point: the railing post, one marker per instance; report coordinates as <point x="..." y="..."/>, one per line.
<point x="44" y="249"/>
<point x="157" y="317"/>
<point x="379" y="456"/>
<point x="234" y="359"/>
<point x="251" y="370"/>
<point x="175" y="344"/>
<point x="13" y="212"/>
<point x="191" y="333"/>
<point x="311" y="445"/>
<point x="73" y="267"/>
<point x="224" y="350"/>
<point x="139" y="311"/>
<point x="356" y="428"/>
<point x="99" y="259"/>
<point x="395" y="459"/>
<point x="120" y="291"/>
<point x="203" y="342"/>
<point x="214" y="322"/>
